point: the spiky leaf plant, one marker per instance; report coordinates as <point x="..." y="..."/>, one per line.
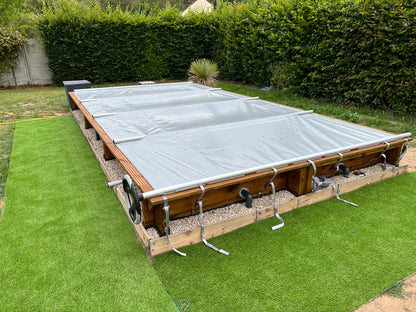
<point x="204" y="71"/>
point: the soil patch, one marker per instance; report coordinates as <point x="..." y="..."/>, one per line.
<point x="410" y="159"/>
<point x="404" y="301"/>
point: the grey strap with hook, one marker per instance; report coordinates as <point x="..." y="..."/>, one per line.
<point x="166" y="211"/>
<point x="339" y="198"/>
<point x="202" y="225"/>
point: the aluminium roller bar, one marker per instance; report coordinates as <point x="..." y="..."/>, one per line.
<point x="230" y="175"/>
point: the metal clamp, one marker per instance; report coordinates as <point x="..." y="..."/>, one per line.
<point x="383" y="156"/>
<point x="339" y="161"/>
<point x="339" y="198"/>
<point x="314" y="173"/>
<point x="199" y="203"/>
<point x="278" y="226"/>
<point x="166" y="211"/>
<point x="268" y="183"/>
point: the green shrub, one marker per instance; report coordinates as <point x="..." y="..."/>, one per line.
<point x="242" y="51"/>
<point x="84" y="42"/>
<point x="356" y="51"/>
<point x="10" y="44"/>
<point x="204" y="71"/>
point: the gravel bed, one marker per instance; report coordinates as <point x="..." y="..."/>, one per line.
<point x="116" y="172"/>
<point x="356" y="174"/>
<point x="226" y="212"/>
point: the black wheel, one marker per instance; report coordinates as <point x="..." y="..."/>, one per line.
<point x="133" y="199"/>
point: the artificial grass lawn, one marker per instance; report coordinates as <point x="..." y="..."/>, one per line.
<point x="329" y="256"/>
<point x="65" y="242"/>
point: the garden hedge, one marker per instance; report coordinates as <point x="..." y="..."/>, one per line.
<point x="85" y="42"/>
<point x="11" y="43"/>
<point x="361" y="51"/>
<point x="356" y="51"/>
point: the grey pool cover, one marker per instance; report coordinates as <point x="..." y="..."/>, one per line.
<point x="180" y="132"/>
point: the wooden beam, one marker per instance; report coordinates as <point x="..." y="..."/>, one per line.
<point x="300" y="181"/>
<point x="87" y="124"/>
<point x="73" y="105"/>
<point x="108" y="155"/>
<point x="160" y="245"/>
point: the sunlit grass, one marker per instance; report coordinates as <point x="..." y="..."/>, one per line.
<point x="329" y="256"/>
<point x="65" y="241"/>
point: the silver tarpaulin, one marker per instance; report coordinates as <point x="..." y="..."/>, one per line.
<point x="180" y="132"/>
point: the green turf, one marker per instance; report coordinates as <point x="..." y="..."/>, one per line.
<point x="65" y="242"/>
<point x="329" y="256"/>
<point x="66" y="245"/>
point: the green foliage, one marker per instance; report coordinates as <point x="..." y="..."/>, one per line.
<point x="85" y="42"/>
<point x="350" y="50"/>
<point x="356" y="51"/>
<point x="241" y="51"/>
<point x="10" y="44"/>
<point x="204" y="71"/>
<point x="8" y="10"/>
<point x="21" y="15"/>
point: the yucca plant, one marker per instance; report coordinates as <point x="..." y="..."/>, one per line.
<point x="204" y="71"/>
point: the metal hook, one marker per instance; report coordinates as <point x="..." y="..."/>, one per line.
<point x="200" y="197"/>
<point x="166" y="211"/>
<point x="202" y="192"/>
<point x="202" y="225"/>
<point x="339" y="198"/>
<point x="278" y="226"/>
<point x="387" y="147"/>
<point x="274" y="176"/>
<point x="313" y="165"/>
<point x="339" y="161"/>
<point x="268" y="183"/>
<point x="314" y="173"/>
<point x="384" y="165"/>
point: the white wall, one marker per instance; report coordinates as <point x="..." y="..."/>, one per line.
<point x="32" y="67"/>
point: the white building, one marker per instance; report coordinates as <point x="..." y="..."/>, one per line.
<point x="199" y="6"/>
